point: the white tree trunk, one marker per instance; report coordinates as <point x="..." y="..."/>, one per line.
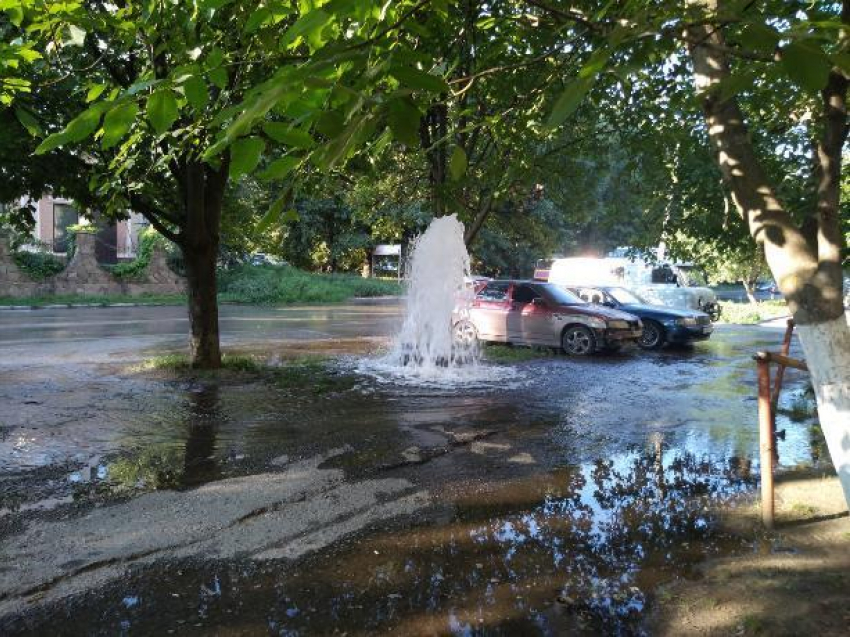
<point x="827" y="348"/>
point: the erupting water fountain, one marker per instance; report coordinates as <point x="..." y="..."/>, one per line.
<point x="437" y="296"/>
<point x="428" y="349"/>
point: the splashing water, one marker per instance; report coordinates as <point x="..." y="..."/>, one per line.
<point x="436" y="296"/>
<point x="428" y="347"/>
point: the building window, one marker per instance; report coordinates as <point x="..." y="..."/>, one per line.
<point x="64" y="215"/>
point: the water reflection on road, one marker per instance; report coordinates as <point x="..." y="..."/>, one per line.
<point x="577" y="549"/>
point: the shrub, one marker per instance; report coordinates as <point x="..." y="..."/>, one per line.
<point x="39" y="265"/>
<point x="269" y="284"/>
<point x="135" y="269"/>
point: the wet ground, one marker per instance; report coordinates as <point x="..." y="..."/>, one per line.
<point x="315" y="497"/>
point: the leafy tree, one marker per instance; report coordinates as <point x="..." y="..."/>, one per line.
<point x="771" y="79"/>
<point x="184" y="97"/>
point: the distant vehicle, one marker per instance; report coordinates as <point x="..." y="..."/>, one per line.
<point x="661" y="324"/>
<point x="535" y="313"/>
<point x="261" y="258"/>
<point x="679" y="285"/>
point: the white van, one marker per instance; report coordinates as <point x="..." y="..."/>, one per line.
<point x="671" y="284"/>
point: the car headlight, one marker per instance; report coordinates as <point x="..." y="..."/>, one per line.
<point x="596" y="323"/>
<point x="618" y="325"/>
<point x="687" y="321"/>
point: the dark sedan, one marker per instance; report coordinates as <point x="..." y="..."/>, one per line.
<point x="661" y="324"/>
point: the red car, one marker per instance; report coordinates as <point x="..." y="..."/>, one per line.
<point x="544" y="314"/>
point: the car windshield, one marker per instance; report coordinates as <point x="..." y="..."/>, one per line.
<point x="559" y="295"/>
<point x="624" y="296"/>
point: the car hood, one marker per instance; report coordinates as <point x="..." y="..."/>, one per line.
<point x="661" y="310"/>
<point x="591" y="309"/>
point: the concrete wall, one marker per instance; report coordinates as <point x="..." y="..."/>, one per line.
<point x="84" y="276"/>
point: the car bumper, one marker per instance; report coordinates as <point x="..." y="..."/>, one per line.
<point x="610" y="337"/>
<point x="688" y="333"/>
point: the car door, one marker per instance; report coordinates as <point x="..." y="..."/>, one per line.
<point x="490" y="311"/>
<point x="529" y="321"/>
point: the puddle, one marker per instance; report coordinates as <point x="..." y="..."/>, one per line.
<point x="576" y="549"/>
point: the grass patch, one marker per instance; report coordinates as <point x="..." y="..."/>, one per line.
<point x="514" y="354"/>
<point x="311" y="374"/>
<point x="271" y="284"/>
<point x="751" y="313"/>
<point x="73" y="299"/>
<point x="180" y="363"/>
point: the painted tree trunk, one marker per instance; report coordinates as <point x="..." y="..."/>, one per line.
<point x="827" y="348"/>
<point x="750" y="289"/>
<point x="807" y="270"/>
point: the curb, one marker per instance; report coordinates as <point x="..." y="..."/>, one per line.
<point x="65" y="306"/>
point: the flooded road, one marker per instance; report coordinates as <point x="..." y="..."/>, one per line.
<point x="313" y="497"/>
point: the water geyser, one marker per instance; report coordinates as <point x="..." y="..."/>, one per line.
<point x="437" y="298"/>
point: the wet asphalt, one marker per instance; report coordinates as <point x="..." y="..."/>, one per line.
<point x="557" y="497"/>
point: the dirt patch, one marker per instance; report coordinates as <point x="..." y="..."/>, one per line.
<point x="796" y="581"/>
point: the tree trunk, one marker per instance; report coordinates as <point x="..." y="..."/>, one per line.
<point x="827" y="349"/>
<point x="809" y="276"/>
<point x="750" y="289"/>
<point x="204" y="349"/>
<point x="204" y="198"/>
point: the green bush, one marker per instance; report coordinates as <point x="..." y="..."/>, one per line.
<point x="270" y="284"/>
<point x="135" y="269"/>
<point x="751" y="313"/>
<point x="39" y="265"/>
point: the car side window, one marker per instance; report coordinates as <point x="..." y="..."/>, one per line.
<point x="590" y="295"/>
<point x="494" y="292"/>
<point x="524" y="294"/>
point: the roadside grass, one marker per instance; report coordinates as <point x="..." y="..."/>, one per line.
<point x="271" y="285"/>
<point x="253" y="285"/>
<point x="498" y="353"/>
<point x="750" y="313"/>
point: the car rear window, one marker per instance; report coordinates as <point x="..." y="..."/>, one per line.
<point x="494" y="292"/>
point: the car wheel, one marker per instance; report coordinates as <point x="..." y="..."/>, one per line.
<point x="465" y="334"/>
<point x="577" y="340"/>
<point x="653" y="335"/>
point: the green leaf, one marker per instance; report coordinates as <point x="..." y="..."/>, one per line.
<point x="94" y="92"/>
<point x="734" y="84"/>
<point x="285" y="134"/>
<point x="307" y="25"/>
<point x="245" y="155"/>
<point x="77" y="130"/>
<point x="256" y="19"/>
<point x="806" y="64"/>
<point x="84" y="124"/>
<point x="162" y="110"/>
<point x="52" y="141"/>
<point x="760" y="37"/>
<point x="196" y="92"/>
<point x="403" y="118"/>
<point x="16" y="15"/>
<point x="280" y="168"/>
<point x="457" y="163"/>
<point x="117" y="122"/>
<point x="414" y="78"/>
<point x="218" y="77"/>
<point x="569" y="101"/>
<point x="274" y="212"/>
<point x="29" y="122"/>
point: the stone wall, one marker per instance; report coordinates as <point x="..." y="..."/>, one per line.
<point x="84" y="276"/>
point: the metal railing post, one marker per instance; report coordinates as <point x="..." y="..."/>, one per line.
<point x="766" y="438"/>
